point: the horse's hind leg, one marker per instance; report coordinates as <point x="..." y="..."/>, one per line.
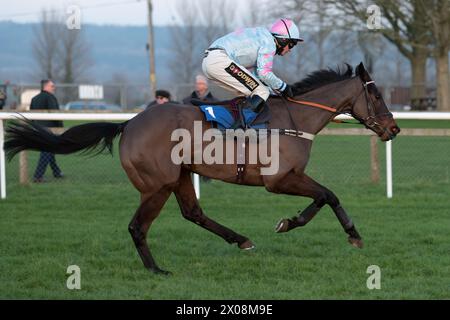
<point x="191" y="210"/>
<point x="151" y="205"/>
<point x="305" y="186"/>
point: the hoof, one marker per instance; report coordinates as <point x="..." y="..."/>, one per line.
<point x="282" y="226"/>
<point x="161" y="272"/>
<point x="247" y="245"/>
<point x="357" y="243"/>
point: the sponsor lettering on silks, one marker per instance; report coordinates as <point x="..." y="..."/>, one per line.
<point x="243" y="77"/>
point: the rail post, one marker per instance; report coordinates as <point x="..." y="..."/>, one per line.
<point x="389" y="186"/>
<point x="2" y="163"/>
<point x="374" y="160"/>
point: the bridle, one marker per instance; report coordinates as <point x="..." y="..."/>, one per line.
<point x="370" y="122"/>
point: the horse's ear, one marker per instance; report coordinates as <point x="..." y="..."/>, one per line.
<point x="360" y="69"/>
<point x="362" y="72"/>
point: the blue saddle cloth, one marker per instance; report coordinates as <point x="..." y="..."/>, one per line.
<point x="224" y="119"/>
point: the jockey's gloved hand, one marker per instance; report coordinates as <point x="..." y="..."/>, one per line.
<point x="287" y="92"/>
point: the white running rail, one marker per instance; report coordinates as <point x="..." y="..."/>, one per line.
<point x="128" y="116"/>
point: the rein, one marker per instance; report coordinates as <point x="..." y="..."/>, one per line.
<point x="320" y="106"/>
<point x="313" y="104"/>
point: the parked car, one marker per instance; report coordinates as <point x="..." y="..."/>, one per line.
<point x="91" y="105"/>
<point x="399" y="107"/>
<point x="2" y="97"/>
<point x="141" y="107"/>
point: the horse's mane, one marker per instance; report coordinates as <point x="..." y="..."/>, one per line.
<point x="321" y="78"/>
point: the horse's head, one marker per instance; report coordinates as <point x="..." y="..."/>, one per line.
<point x="370" y="109"/>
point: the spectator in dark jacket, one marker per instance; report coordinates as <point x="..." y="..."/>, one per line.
<point x="2" y="99"/>
<point x="46" y="100"/>
<point x="161" y="97"/>
<point x="201" y="91"/>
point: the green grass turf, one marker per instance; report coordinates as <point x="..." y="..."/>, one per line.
<point x="83" y="220"/>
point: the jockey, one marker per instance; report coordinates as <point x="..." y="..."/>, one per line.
<point x="242" y="61"/>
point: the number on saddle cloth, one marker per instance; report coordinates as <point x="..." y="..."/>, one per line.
<point x="225" y="120"/>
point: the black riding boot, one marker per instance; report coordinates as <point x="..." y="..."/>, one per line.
<point x="255" y="103"/>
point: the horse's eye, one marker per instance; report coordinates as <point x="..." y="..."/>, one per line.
<point x="378" y="96"/>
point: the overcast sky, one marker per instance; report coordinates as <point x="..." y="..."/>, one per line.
<point x="122" y="12"/>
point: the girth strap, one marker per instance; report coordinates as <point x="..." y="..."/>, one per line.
<point x="283" y="132"/>
<point x="297" y="134"/>
<point x="240" y="172"/>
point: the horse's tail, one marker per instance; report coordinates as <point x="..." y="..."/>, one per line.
<point x="90" y="137"/>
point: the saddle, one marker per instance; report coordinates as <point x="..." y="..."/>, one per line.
<point x="233" y="114"/>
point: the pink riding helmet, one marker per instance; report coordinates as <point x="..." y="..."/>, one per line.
<point x="286" y="29"/>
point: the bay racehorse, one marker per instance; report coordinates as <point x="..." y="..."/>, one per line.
<point x="146" y="144"/>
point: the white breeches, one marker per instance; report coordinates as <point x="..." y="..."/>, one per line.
<point x="218" y="67"/>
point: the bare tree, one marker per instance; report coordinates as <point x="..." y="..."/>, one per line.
<point x="297" y="10"/>
<point x="258" y="13"/>
<point x="420" y="29"/>
<point x="438" y="14"/>
<point x="217" y="18"/>
<point x="372" y="47"/>
<point x="198" y="25"/>
<point x="61" y="54"/>
<point x="73" y="55"/>
<point x="45" y="45"/>
<point x="313" y="17"/>
<point x="404" y="25"/>
<point x="187" y="56"/>
<point x="210" y="15"/>
<point x="227" y="13"/>
<point x="323" y="29"/>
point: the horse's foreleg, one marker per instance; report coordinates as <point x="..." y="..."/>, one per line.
<point x="191" y="210"/>
<point x="148" y="211"/>
<point x="305" y="186"/>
